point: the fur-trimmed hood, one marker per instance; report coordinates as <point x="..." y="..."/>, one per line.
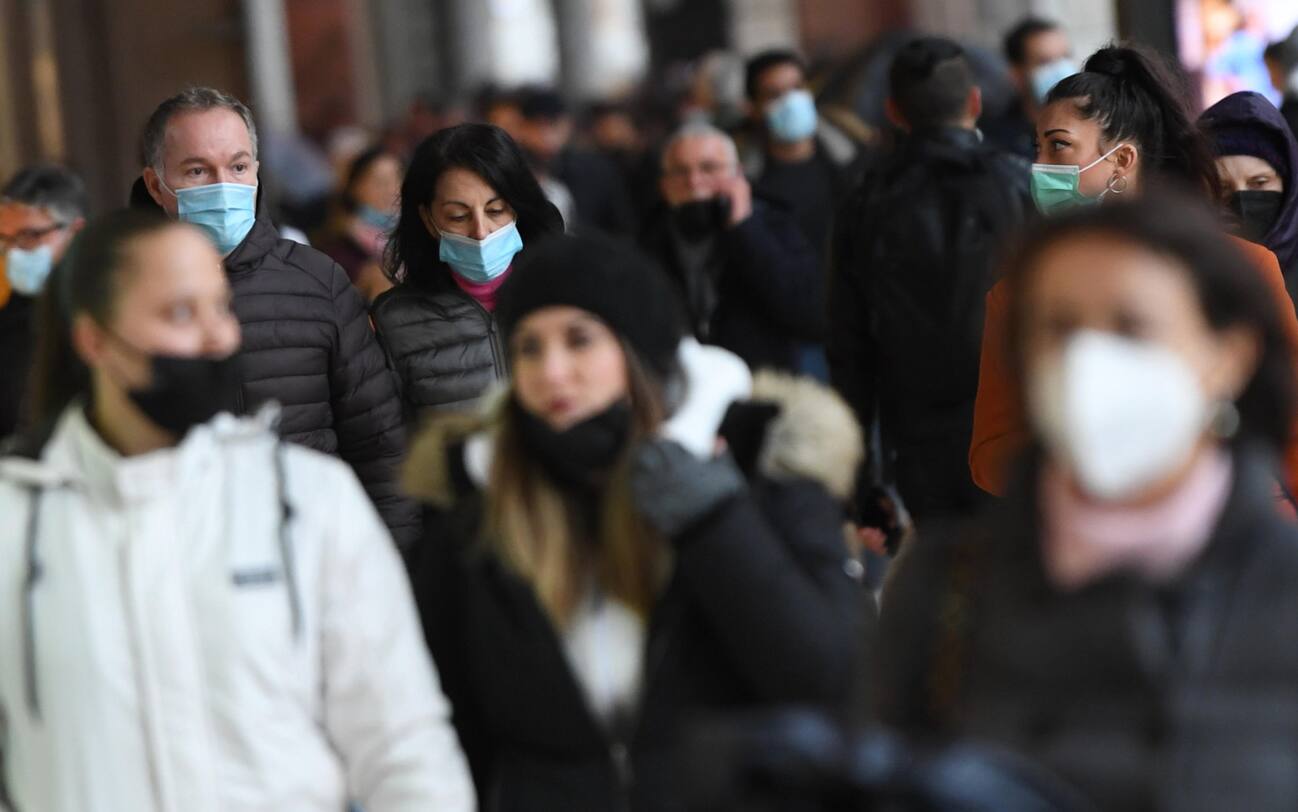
<point x="778" y="426"/>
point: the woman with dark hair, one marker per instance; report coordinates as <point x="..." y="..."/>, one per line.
<point x="1118" y="130"/>
<point x="1128" y="616"/>
<point x="1257" y="158"/>
<point x="367" y="207"/>
<point x="597" y="575"/>
<point x="469" y="205"/>
<point x="195" y="614"/>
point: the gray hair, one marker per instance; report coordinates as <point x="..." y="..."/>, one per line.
<point x="700" y="129"/>
<point x="49" y="187"/>
<point x="189" y="100"/>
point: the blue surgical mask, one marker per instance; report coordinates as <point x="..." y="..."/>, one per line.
<point x="1057" y="187"/>
<point x="1045" y="77"/>
<point x="225" y="211"/>
<point x="28" y="270"/>
<point x="371" y="216"/>
<point x="792" y="117"/>
<point x="480" y="261"/>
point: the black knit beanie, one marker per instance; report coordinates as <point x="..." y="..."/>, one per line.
<point x="614" y="282"/>
<point x="1237" y="138"/>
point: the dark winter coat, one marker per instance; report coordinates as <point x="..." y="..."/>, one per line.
<point x="444" y="345"/>
<point x="915" y="251"/>
<point x="307" y="344"/>
<point x="1256" y="112"/>
<point x="1181" y="697"/>
<point x="764" y="278"/>
<point x="17" y="345"/>
<point x="763" y="609"/>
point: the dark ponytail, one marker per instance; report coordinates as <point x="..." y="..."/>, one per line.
<point x="87" y="280"/>
<point x="1138" y="96"/>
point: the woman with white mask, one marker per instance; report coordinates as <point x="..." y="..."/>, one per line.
<point x="194" y="614"/>
<point x="1128" y="616"/>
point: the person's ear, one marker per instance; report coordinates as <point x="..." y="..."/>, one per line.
<point x="1125" y="159"/>
<point x="88" y="340"/>
<point x="894" y="114"/>
<point x="153" y="184"/>
<point x="1237" y="351"/>
<point x="75" y="226"/>
<point x="974" y="103"/>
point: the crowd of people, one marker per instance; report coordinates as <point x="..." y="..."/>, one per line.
<point x="555" y="444"/>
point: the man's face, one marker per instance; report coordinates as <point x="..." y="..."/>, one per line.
<point x="696" y="168"/>
<point x="545" y="138"/>
<point x="1040" y="49"/>
<point x="773" y="83"/>
<point x="202" y="147"/>
<point x="30" y="227"/>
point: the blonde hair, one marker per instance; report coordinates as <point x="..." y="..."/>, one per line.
<point x="537" y="530"/>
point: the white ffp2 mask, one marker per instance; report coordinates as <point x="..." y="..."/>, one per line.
<point x="1122" y="415"/>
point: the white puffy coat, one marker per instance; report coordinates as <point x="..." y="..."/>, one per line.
<point x="173" y="639"/>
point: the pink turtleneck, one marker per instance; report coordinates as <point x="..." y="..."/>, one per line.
<point x="1084" y="540"/>
<point x="484" y="294"/>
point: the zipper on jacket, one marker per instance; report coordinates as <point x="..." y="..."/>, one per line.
<point x="137" y="664"/>
<point x="493" y="339"/>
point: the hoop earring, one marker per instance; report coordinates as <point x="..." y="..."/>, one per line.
<point x="1112" y="185"/>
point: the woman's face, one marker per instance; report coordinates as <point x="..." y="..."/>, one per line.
<point x="1064" y="137"/>
<point x="567" y="366"/>
<point x="379" y="186"/>
<point x="1104" y="284"/>
<point x="465" y="205"/>
<point x="1245" y="173"/>
<point x="172" y="299"/>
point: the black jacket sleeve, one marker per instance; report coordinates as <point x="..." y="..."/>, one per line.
<point x="850" y="346"/>
<point x="367" y="411"/>
<point x="780" y="270"/>
<point x="780" y="596"/>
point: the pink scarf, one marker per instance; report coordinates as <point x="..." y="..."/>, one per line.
<point x="1084" y="541"/>
<point x="485" y="293"/>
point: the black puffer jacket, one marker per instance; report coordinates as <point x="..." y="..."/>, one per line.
<point x="308" y="345"/>
<point x="1181" y="697"/>
<point x="443" y="345"/>
<point x="17" y="345"/>
<point x="762" y="610"/>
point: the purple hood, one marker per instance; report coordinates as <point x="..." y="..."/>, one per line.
<point x="1252" y="111"/>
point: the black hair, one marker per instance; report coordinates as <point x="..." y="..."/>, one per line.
<point x="1137" y="96"/>
<point x="1284" y="51"/>
<point x="538" y="103"/>
<point x="1230" y="292"/>
<point x="766" y="60"/>
<point x="87" y="280"/>
<point x="1015" y="45"/>
<point x="488" y="152"/>
<point x="929" y="82"/>
<point x="359" y="166"/>
<point x="46" y="186"/>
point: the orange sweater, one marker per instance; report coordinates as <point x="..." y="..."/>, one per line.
<point x="1000" y="431"/>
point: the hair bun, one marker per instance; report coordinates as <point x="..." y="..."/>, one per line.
<point x="1111" y="61"/>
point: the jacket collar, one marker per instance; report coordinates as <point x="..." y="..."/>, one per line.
<point x="260" y="242"/>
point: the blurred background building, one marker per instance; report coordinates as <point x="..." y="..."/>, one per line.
<point x="78" y="77"/>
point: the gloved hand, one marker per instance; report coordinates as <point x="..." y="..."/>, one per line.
<point x="673" y="489"/>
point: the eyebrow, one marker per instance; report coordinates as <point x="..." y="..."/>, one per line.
<point x="1049" y="133"/>
<point x="194" y="159"/>
<point x="496" y="199"/>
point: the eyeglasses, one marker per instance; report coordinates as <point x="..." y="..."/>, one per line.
<point x="28" y="238"/>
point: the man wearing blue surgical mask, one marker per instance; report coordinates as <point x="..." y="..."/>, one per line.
<point x="307" y="340"/>
<point x="1039" y="56"/>
<point x="41" y="208"/>
<point x="805" y="163"/>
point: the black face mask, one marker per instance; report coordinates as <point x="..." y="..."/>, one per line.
<point x="184" y="392"/>
<point x="1257" y="212"/>
<point x="579" y="456"/>
<point x="699" y="219"/>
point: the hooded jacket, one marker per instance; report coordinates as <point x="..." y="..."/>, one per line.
<point x="1000" y="431"/>
<point x="1256" y="112"/>
<point x="220" y="625"/>
<point x="763" y="607"/>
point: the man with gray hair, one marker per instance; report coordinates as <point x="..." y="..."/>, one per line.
<point x="307" y="341"/>
<point x="41" y="208"/>
<point x="748" y="278"/>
